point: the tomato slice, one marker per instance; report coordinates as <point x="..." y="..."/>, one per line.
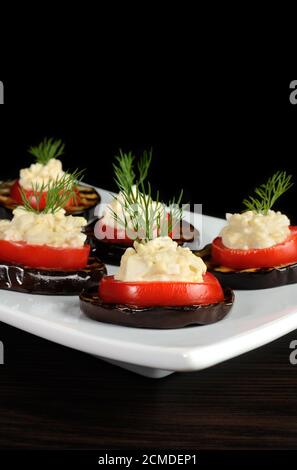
<point x="44" y="256"/>
<point x="277" y="255"/>
<point x="161" y="293"/>
<point x="15" y="194"/>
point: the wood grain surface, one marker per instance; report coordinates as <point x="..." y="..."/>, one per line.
<point x="58" y="398"/>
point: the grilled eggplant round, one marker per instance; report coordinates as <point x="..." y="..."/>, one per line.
<point x="87" y="195"/>
<point x="51" y="282"/>
<point x="154" y="317"/>
<point x="249" y="279"/>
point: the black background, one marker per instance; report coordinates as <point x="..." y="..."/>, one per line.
<point x="216" y="134"/>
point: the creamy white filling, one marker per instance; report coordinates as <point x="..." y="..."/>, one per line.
<point x="117" y="206"/>
<point x="56" y="229"/>
<point x="160" y="259"/>
<point x="253" y="230"/>
<point x="38" y="174"/>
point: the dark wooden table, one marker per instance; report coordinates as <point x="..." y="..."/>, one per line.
<point x="57" y="398"/>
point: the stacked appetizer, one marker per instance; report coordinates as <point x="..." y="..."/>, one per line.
<point x="112" y="235"/>
<point x="47" y="168"/>
<point x="159" y="284"/>
<point x="258" y="248"/>
<point x="44" y="251"/>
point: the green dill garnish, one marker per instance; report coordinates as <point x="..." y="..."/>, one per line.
<point x="144" y="166"/>
<point x="124" y="169"/>
<point x="148" y="216"/>
<point x="175" y="213"/>
<point x="47" y="149"/>
<point x="59" y="192"/>
<point x="268" y="193"/>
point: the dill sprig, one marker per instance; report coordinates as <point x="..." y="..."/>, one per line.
<point x="58" y="193"/>
<point x="125" y="176"/>
<point x="144" y="165"/>
<point x="268" y="193"/>
<point x="47" y="149"/>
<point x="148" y="216"/>
<point x="175" y="214"/>
<point x="139" y="211"/>
<point x="124" y="171"/>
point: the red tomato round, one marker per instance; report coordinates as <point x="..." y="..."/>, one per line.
<point x="277" y="255"/>
<point x="44" y="256"/>
<point x="161" y="293"/>
<point x="15" y="193"/>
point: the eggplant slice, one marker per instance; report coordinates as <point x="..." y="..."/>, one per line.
<point x="112" y="253"/>
<point x="51" y="282"/>
<point x="249" y="279"/>
<point x="88" y="196"/>
<point x="154" y="317"/>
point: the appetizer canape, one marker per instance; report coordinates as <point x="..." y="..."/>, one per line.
<point x="45" y="252"/>
<point x="159" y="284"/>
<point x="46" y="169"/>
<point x="113" y="238"/>
<point x="257" y="249"/>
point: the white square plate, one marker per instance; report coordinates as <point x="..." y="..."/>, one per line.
<point x="256" y="318"/>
